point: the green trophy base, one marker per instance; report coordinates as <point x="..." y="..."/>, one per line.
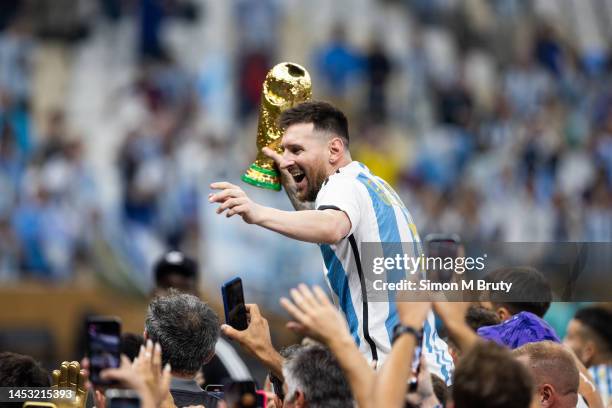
<point x="259" y="177"/>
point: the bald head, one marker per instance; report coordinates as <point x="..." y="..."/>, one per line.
<point x="554" y="370"/>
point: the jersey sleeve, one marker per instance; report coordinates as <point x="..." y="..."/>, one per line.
<point x="341" y="194"/>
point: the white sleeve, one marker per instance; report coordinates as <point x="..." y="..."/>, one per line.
<point x="342" y="194"/>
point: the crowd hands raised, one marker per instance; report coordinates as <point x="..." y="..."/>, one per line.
<point x="327" y="369"/>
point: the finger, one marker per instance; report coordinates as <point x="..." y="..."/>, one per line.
<point x="239" y="209"/>
<point x="230" y="332"/>
<point x="225" y="194"/>
<point x="298" y="299"/>
<point x="253" y="309"/>
<point x="222" y="185"/>
<point x="82" y="383"/>
<point x="100" y="399"/>
<point x="55" y="378"/>
<point x="295" y="312"/>
<point x="296" y="327"/>
<point x="125" y="362"/>
<point x="149" y="352"/>
<point x="307" y="295"/>
<point x="164" y="386"/>
<point x="321" y="295"/>
<point x="73" y="374"/>
<point x="272" y="154"/>
<point x="63" y="380"/>
<point x="157" y="359"/>
<point x="232" y="202"/>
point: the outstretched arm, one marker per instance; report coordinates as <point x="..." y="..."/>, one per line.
<point x="318" y="226"/>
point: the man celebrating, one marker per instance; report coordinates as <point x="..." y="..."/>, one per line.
<point x="351" y="206"/>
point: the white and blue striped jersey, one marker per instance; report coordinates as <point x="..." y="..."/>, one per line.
<point x="377" y="215"/>
<point x="602" y="376"/>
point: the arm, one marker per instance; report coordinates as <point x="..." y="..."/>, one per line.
<point x="257" y="341"/>
<point x="392" y="380"/>
<point x="287" y="180"/>
<point x="316" y="317"/>
<point x="453" y="316"/>
<point x="325" y="226"/>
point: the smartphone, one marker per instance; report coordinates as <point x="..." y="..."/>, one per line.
<point x="243" y="394"/>
<point x="442" y="246"/>
<point x="103" y="346"/>
<point x="122" y="399"/>
<point x="233" y="303"/>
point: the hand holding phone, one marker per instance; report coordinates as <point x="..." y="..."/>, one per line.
<point x="103" y="346"/>
<point x="233" y="304"/>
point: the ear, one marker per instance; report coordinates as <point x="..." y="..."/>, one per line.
<point x="299" y="401"/>
<point x="336" y="149"/>
<point x="546" y="395"/>
<point x="503" y="313"/>
<point x="588" y="351"/>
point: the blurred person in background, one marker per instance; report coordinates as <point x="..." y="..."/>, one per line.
<point x="589" y="335"/>
<point x="17" y="370"/>
<point x="378" y="67"/>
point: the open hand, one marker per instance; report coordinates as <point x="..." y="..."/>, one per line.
<point x="315" y="315"/>
<point x="233" y="199"/>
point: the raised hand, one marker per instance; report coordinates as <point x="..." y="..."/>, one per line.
<point x="315" y="315"/>
<point x="235" y="201"/>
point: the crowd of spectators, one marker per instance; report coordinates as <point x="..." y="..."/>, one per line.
<point x="505" y="355"/>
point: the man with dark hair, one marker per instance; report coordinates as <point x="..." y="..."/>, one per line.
<point x="187" y="330"/>
<point x="488" y="376"/>
<point x="314" y="379"/>
<point x="589" y="335"/>
<point x="17" y="370"/>
<point x="340" y="204"/>
<point x="554" y="371"/>
<point x="528" y="284"/>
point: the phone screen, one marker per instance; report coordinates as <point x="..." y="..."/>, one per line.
<point x="441" y="246"/>
<point x="233" y="301"/>
<point x="103" y="342"/>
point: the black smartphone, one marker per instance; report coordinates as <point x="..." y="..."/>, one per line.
<point x="103" y="346"/>
<point x="122" y="399"/>
<point x="233" y="304"/>
<point x="243" y="394"/>
<point x="442" y="246"/>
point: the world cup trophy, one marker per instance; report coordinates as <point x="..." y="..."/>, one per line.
<point x="286" y="85"/>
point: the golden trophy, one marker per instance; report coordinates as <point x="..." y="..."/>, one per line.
<point x="286" y="85"/>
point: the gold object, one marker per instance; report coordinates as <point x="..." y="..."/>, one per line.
<point x="286" y="85"/>
<point x="72" y="377"/>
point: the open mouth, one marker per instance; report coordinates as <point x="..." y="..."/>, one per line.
<point x="297" y="174"/>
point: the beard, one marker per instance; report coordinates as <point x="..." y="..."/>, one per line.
<point x="313" y="186"/>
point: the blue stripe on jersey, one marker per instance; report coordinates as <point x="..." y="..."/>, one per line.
<point x="340" y="285"/>
<point x="609" y="375"/>
<point x="390" y="237"/>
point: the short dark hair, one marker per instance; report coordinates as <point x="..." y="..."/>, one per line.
<point x="527" y="283"/>
<point x="324" y="116"/>
<point x="18" y="370"/>
<point x="477" y="317"/>
<point x="186" y="328"/>
<point x="130" y="344"/>
<point x="488" y="376"/>
<point x="315" y="371"/>
<point x="597" y="319"/>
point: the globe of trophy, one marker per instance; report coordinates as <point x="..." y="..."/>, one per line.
<point x="286" y="85"/>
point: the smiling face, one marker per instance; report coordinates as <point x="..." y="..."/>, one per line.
<point x="311" y="156"/>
